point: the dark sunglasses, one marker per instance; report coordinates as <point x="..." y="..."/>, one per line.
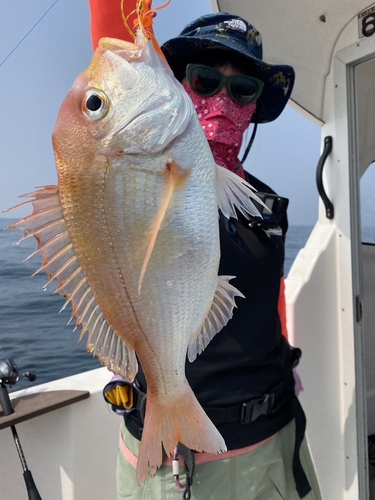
<point x="207" y="81"/>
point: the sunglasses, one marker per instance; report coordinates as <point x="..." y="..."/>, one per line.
<point x="207" y="81"/>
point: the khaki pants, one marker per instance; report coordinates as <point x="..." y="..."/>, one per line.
<point x="262" y="474"/>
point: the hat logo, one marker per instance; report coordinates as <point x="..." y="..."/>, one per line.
<point x="253" y="36"/>
<point x="235" y="24"/>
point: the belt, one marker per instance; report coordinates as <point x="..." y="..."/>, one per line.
<point x="250" y="410"/>
<point x="246" y="412"/>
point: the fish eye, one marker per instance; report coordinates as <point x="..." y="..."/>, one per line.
<point x="95" y="104"/>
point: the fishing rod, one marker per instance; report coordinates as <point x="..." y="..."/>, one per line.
<point x="8" y="377"/>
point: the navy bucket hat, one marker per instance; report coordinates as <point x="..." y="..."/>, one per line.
<point x="233" y="33"/>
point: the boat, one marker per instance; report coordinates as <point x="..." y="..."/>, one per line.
<point x="69" y="438"/>
<point x="330" y="288"/>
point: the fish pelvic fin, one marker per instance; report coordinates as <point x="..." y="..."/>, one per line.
<point x="47" y="225"/>
<point x="234" y="192"/>
<point x="175" y="175"/>
<point x="220" y="313"/>
<point x="181" y="421"/>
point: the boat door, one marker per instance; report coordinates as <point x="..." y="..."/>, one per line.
<point x="361" y="129"/>
<point x="363" y="86"/>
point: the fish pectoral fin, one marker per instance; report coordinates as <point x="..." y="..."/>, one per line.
<point x="234" y="192"/>
<point x="220" y="313"/>
<point x="175" y="175"/>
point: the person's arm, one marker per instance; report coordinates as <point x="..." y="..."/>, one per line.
<point x="282" y="308"/>
<point x="106" y="20"/>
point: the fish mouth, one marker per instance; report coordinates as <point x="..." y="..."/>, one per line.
<point x="115" y="45"/>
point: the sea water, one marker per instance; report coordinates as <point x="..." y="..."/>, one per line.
<point x="32" y="332"/>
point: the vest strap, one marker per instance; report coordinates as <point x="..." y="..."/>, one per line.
<point x="302" y="483"/>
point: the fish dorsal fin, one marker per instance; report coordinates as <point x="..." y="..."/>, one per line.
<point x="218" y="316"/>
<point x="234" y="192"/>
<point x="175" y="174"/>
<point x="47" y="225"/>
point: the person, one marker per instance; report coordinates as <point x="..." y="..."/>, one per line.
<point x="244" y="378"/>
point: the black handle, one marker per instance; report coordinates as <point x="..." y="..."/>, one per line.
<point x="30" y="486"/>
<point x="5" y="401"/>
<point x="319" y="177"/>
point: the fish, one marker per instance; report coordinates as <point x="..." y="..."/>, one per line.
<point x="131" y="232"/>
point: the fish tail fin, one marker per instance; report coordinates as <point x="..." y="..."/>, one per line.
<point x="184" y="421"/>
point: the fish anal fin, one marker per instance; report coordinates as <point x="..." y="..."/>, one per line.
<point x="165" y="426"/>
<point x="104" y="343"/>
<point x="220" y="313"/>
<point x="175" y="175"/>
<point x="234" y="192"/>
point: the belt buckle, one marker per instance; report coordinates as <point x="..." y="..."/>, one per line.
<point x="253" y="409"/>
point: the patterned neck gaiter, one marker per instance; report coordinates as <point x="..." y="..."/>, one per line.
<point x="224" y="123"/>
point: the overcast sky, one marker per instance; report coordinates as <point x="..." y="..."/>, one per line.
<point x="35" y="78"/>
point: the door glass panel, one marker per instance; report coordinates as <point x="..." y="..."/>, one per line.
<point x="368" y="205"/>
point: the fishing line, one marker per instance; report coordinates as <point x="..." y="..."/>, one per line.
<point x="27" y="34"/>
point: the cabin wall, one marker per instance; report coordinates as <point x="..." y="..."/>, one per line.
<point x="71" y="452"/>
<point x="313" y="320"/>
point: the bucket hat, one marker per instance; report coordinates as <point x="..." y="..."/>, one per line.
<point x="228" y="32"/>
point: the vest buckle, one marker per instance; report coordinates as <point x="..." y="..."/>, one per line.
<point x="254" y="408"/>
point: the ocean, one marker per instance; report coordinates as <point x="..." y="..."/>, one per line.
<point x="32" y="332"/>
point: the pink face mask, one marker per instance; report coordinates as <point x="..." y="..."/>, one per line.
<point x="224" y="123"/>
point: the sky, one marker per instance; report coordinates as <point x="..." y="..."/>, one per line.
<point x="38" y="74"/>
